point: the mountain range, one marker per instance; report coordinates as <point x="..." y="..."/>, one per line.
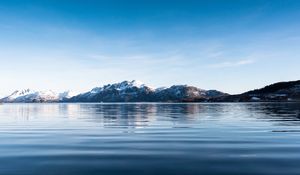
<point x="31" y="96"/>
<point x="135" y="91"/>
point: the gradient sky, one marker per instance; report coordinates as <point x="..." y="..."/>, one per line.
<point x="232" y="45"/>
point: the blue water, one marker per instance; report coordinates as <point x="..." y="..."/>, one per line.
<point x="138" y="139"/>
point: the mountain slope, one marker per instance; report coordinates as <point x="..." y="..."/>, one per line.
<point x="282" y="91"/>
<point x="184" y="93"/>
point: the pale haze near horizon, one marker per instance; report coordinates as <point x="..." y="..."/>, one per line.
<point x="231" y="46"/>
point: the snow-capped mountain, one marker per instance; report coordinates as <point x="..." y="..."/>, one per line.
<point x="135" y="91"/>
<point x="28" y="96"/>
<point x="126" y="91"/>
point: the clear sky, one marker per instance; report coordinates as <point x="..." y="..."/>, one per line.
<point x="229" y="45"/>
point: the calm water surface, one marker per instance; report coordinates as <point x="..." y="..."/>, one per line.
<point x="139" y="139"/>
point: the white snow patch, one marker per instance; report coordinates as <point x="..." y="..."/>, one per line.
<point x="255" y="99"/>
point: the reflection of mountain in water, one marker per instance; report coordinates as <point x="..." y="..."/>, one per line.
<point x="119" y="115"/>
<point x="139" y="115"/>
<point x="150" y="114"/>
<point x="281" y="114"/>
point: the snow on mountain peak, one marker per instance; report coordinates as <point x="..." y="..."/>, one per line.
<point x="120" y="86"/>
<point x="28" y="95"/>
<point x="129" y="84"/>
<point x="19" y="93"/>
<point x="137" y="83"/>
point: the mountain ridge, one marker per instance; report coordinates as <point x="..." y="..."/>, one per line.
<point x="131" y="91"/>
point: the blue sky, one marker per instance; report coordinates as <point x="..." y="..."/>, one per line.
<point x="232" y="45"/>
